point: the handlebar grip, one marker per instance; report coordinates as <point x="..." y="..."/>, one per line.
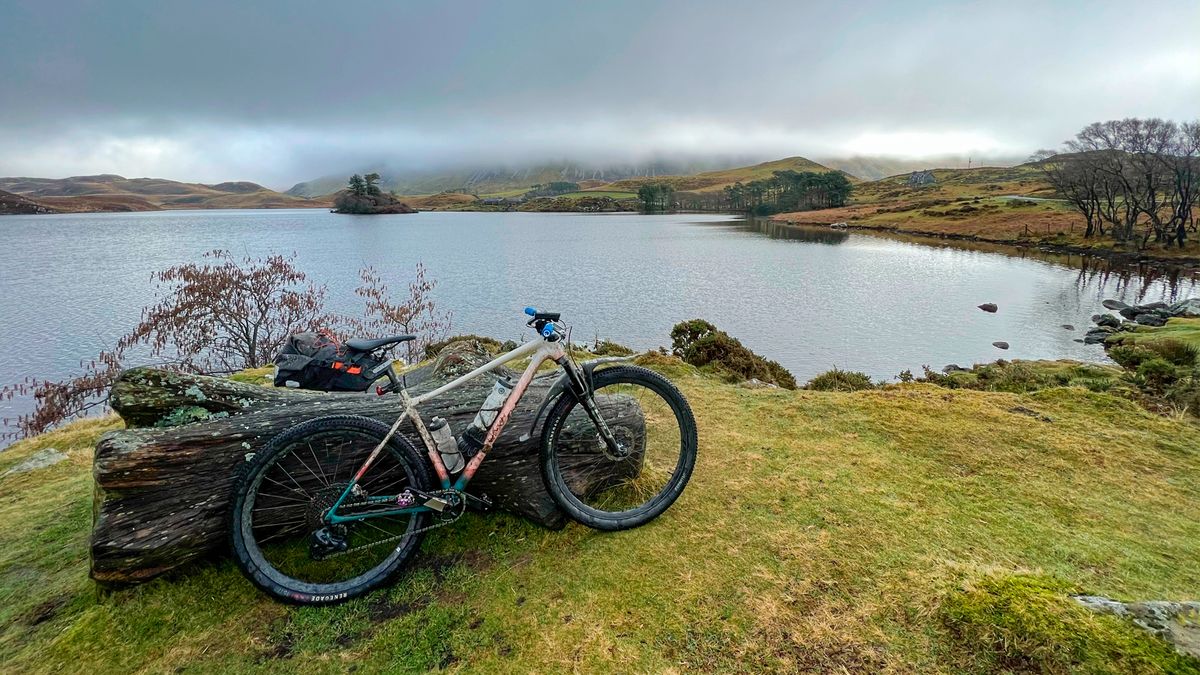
<point x="548" y="330"/>
<point x="530" y="311"/>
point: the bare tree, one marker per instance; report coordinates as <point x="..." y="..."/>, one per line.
<point x="416" y="314"/>
<point x="1133" y="173"/>
<point x="1182" y="164"/>
<point x="1076" y="182"/>
<point x="227" y="314"/>
<point x="219" y="315"/>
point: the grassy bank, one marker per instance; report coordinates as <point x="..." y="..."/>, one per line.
<point x="1182" y="329"/>
<point x="1013" y="206"/>
<point x="913" y="528"/>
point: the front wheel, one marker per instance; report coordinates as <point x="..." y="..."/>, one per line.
<point x="620" y="485"/>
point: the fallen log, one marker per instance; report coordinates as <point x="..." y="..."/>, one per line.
<point x="162" y="485"/>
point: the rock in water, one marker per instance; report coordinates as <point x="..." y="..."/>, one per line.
<point x="1115" y="305"/>
<point x="1067" y="326"/>
<point x="1000" y="344"/>
<point x="1189" y="308"/>
<point x="1107" y="320"/>
<point x="1150" y="320"/>
<point x="989" y="307"/>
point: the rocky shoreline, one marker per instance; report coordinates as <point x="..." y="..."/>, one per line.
<point x="1110" y="254"/>
<point x="1154" y="314"/>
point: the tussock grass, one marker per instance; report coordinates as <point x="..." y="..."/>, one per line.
<point x="821" y="531"/>
<point x="1178" y="329"/>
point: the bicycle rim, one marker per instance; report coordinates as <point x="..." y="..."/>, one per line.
<point x="653" y="427"/>
<point x="297" y="486"/>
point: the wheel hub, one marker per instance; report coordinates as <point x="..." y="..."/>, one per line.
<point x="329" y="538"/>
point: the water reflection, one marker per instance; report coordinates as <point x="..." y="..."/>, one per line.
<point x="1138" y="283"/>
<point x="805" y="233"/>
<point x="1133" y="282"/>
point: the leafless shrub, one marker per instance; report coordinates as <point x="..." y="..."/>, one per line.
<point x="415" y="313"/>
<point x="224" y="314"/>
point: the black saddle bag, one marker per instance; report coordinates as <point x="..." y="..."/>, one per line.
<point x="314" y="361"/>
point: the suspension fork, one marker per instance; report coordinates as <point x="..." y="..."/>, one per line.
<point x="581" y="388"/>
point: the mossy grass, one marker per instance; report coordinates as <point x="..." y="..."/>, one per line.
<point x="1178" y="329"/>
<point x="1027" y="376"/>
<point x="1028" y="623"/>
<point x="822" y="531"/>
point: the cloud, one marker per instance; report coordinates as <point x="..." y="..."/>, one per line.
<point x="279" y="91"/>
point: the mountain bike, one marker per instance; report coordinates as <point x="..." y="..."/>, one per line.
<point x="333" y="507"/>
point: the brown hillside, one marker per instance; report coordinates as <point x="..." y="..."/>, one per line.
<point x="109" y="192"/>
<point x="440" y="201"/>
<point x="710" y="181"/>
<point x="11" y="204"/>
<point x="100" y="203"/>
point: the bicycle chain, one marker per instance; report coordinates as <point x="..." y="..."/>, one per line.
<point x="462" y="509"/>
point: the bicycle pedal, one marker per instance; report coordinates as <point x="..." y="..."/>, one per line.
<point x="481" y="501"/>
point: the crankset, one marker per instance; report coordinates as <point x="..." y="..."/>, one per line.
<point x="453" y="505"/>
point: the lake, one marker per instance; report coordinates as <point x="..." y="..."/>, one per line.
<point x="808" y="298"/>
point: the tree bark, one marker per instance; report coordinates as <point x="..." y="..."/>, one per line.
<point x="162" y="492"/>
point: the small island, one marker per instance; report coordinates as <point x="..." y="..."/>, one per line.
<point x="363" y="196"/>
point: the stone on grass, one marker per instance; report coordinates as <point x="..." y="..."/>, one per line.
<point x="39" y="460"/>
<point x="1176" y="622"/>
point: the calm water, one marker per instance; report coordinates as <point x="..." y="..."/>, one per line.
<point x="811" y="299"/>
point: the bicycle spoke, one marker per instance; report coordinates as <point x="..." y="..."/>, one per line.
<point x="298" y="489"/>
<point x="648" y="431"/>
<point x="312" y="452"/>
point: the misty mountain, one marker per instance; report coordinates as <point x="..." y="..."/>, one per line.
<point x="874" y="168"/>
<point x="485" y="180"/>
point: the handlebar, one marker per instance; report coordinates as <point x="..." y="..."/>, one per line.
<point x="543" y="323"/>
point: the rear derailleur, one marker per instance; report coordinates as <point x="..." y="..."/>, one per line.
<point x="328" y="541"/>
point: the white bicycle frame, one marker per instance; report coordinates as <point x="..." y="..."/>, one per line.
<point x="541" y="350"/>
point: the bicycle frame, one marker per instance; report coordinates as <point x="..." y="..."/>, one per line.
<point x="540" y="349"/>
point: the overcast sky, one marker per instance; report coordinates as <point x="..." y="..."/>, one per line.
<point x="278" y="91"/>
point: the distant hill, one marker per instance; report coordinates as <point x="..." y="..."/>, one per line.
<point x="494" y="181"/>
<point x="1022" y="179"/>
<point x="874" y="168"/>
<point x="710" y="181"/>
<point x="442" y="201"/>
<point x="109" y="192"/>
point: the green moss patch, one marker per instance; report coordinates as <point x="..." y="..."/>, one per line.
<point x="1029" y="623"/>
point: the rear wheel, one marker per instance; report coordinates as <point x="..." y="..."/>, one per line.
<point x="616" y="489"/>
<point x="277" y="530"/>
